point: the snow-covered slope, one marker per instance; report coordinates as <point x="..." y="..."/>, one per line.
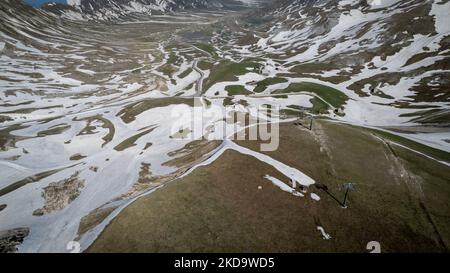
<point x="114" y="9"/>
<point x="86" y="108"/>
<point x="392" y="57"/>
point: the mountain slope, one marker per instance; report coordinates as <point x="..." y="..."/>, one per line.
<point x="396" y="53"/>
<point x="115" y="9"/>
<point x="90" y="110"/>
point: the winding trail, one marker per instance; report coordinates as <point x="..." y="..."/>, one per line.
<point x="199" y="82"/>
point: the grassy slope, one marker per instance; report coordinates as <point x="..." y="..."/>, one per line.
<point x="435" y="153"/>
<point x="208" y="48"/>
<point x="228" y="71"/>
<point x="234" y="90"/>
<point x="401" y="200"/>
<point x="333" y="96"/>
<point x="262" y="85"/>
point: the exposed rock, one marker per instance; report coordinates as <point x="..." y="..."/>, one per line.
<point x="11" y="239"/>
<point x="59" y="194"/>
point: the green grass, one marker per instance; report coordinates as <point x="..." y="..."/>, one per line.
<point x="130" y="142"/>
<point x="418" y="57"/>
<point x="289" y="112"/>
<point x="435" y="153"/>
<point x="228" y="102"/>
<point x="333" y="96"/>
<point x="244" y="103"/>
<point x="319" y="106"/>
<point x="30" y="179"/>
<point x="234" y="90"/>
<point x="106" y="124"/>
<point x="173" y="58"/>
<point x="168" y="69"/>
<point x="208" y="102"/>
<point x="129" y="113"/>
<point x="54" y="131"/>
<point x="227" y="71"/>
<point x="201" y="209"/>
<point x="7" y="139"/>
<point x="310" y="67"/>
<point x="433" y="116"/>
<point x="204" y="65"/>
<point x="280" y="96"/>
<point x="76" y="157"/>
<point x="382" y="95"/>
<point x="296" y="107"/>
<point x="262" y="85"/>
<point x="185" y="73"/>
<point x="293" y="110"/>
<point x="208" y="48"/>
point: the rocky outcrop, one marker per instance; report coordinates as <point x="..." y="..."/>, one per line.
<point x="11" y="239"/>
<point x="59" y="194"/>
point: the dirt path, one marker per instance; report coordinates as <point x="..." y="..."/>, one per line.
<point x="199" y="82"/>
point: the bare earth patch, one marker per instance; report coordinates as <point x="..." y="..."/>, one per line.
<point x="59" y="194"/>
<point x="11" y="239"/>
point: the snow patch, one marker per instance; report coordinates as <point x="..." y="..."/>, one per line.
<point x="325" y="235"/>
<point x="283" y="186"/>
<point x="315" y="197"/>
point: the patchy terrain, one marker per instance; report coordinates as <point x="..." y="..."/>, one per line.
<point x="99" y="136"/>
<point x="220" y="208"/>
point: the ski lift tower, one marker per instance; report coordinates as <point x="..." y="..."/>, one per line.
<point x="307" y="116"/>
<point x="347" y="186"/>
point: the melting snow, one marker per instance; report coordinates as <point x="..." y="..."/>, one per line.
<point x="325" y="235"/>
<point x="283" y="186"/>
<point x="315" y="197"/>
